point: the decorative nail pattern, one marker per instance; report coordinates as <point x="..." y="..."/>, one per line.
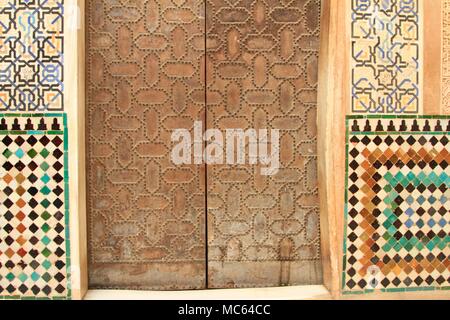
<point x="262" y="71"/>
<point x="145" y="79"/>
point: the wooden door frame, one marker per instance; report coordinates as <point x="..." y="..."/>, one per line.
<point x="74" y="70"/>
<point x="333" y="103"/>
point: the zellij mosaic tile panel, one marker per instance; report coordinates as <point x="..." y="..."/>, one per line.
<point x="34" y="232"/>
<point x="397" y="204"/>
<point x="386" y="58"/>
<point x="31" y="55"/>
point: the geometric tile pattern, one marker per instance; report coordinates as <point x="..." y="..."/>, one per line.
<point x="31" y="55"/>
<point x="262" y="73"/>
<point x="397" y="204"/>
<point x="386" y="58"/>
<point x="34" y="233"/>
<point x="446" y="56"/>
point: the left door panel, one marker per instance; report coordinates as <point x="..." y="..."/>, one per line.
<point x="146" y="216"/>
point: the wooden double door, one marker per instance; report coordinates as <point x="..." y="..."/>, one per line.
<point x="154" y="66"/>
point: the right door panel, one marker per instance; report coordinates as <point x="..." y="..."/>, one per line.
<point x="262" y="65"/>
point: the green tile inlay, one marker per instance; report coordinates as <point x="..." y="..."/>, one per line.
<point x="44" y="153"/>
<point x="7" y="153"/>
<point x="32" y="153"/>
<point x="44" y="166"/>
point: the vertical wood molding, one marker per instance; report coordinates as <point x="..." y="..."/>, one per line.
<point x="444" y="21"/>
<point x="432" y="49"/>
<point x="74" y="101"/>
<point x="334" y="88"/>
